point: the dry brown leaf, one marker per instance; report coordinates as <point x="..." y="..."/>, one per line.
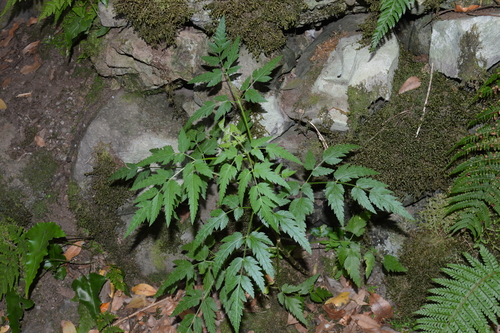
<point x="359" y="298"/>
<point x="24" y="95"/>
<point x="33" y="67"/>
<point x="380" y="307"/>
<point x="144" y="289"/>
<point x="30" y="48"/>
<point x="340" y="299"/>
<point x="7" y="40"/>
<point x="4" y="328"/>
<point x="367" y="324"/>
<point x="32" y="21"/>
<point x="68" y="327"/>
<point x="39" y="140"/>
<point x="324" y="325"/>
<point x="411" y="83"/>
<point x="4" y="66"/>
<point x="6" y="82"/>
<point x="333" y="313"/>
<point x="301" y="328"/>
<point x="2" y="104"/>
<point x="137" y="302"/>
<point x="118" y="301"/>
<point x="73" y="250"/>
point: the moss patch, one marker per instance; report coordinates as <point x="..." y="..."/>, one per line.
<point x="259" y="23"/>
<point x="410" y="164"/>
<point x="156" y="21"/>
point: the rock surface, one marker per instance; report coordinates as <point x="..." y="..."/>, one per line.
<point x="460" y="46"/>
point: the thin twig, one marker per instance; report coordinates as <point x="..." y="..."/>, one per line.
<point x="425" y="103"/>
<point x="321" y="138"/>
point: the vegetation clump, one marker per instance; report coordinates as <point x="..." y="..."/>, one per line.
<point x="411" y="164"/>
<point x="259" y="23"/>
<point x="155" y="21"/>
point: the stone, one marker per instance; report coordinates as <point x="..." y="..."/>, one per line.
<point x="131" y="125"/>
<point x="107" y="16"/>
<point x="459" y="47"/>
<point x="140" y="67"/>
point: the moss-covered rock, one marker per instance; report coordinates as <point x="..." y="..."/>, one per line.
<point x="156" y="21"/>
<point x="259" y="23"/>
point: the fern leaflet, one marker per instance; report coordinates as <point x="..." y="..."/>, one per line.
<point x="468" y="301"/>
<point x="390" y="13"/>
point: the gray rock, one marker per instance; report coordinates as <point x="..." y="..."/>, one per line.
<point x="140" y="67"/>
<point x="460" y="46"/>
<point x="107" y="16"/>
<point x="415" y="34"/>
<point x="132" y="125"/>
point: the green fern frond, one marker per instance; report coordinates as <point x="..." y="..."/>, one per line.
<point x="390" y="13"/>
<point x="469" y="300"/>
<point x="475" y="194"/>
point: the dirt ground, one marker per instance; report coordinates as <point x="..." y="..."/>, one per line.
<point x="50" y="99"/>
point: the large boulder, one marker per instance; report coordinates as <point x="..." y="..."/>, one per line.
<point x="461" y="47"/>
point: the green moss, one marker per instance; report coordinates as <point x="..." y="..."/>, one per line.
<point x="95" y="89"/>
<point x="359" y="103"/>
<point x="259" y="23"/>
<point x="469" y="69"/>
<point x="413" y="165"/>
<point x="12" y="207"/>
<point x="156" y="21"/>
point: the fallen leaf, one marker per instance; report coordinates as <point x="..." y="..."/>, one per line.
<point x="144" y="289"/>
<point x="73" y="250"/>
<point x="4" y="328"/>
<point x="333" y="313"/>
<point x="367" y="324"/>
<point x="104" y="307"/>
<point x="68" y="327"/>
<point x="411" y="83"/>
<point x="324" y="325"/>
<point x="339" y="300"/>
<point x="138" y="301"/>
<point x="118" y="301"/>
<point x="32" y="21"/>
<point x="2" y="104"/>
<point x="6" y="82"/>
<point x="461" y="9"/>
<point x="30" y="48"/>
<point x="7" y="40"/>
<point x="359" y="298"/>
<point x="40" y="142"/>
<point x="24" y="95"/>
<point x="380" y="307"/>
<point x="301" y="328"/>
<point x="4" y="66"/>
<point x="33" y="67"/>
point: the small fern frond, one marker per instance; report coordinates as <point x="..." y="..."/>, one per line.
<point x="468" y="301"/>
<point x="390" y="13"/>
<point x="475" y="193"/>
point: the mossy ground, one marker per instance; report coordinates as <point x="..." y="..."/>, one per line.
<point x="412" y="164"/>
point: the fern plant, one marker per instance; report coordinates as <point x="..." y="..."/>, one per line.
<point x="260" y="203"/>
<point x="475" y="193"/>
<point x="79" y="15"/>
<point x="468" y="301"/>
<point x="21" y="255"/>
<point x="390" y="13"/>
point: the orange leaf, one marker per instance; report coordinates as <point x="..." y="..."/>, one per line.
<point x="104" y="307"/>
<point x="74" y="249"/>
<point x="380" y="307"/>
<point x="68" y="327"/>
<point x="461" y="9"/>
<point x="2" y="104"/>
<point x="33" y="67"/>
<point x="144" y="289"/>
<point x="339" y="300"/>
<point x="367" y="324"/>
<point x="411" y="83"/>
